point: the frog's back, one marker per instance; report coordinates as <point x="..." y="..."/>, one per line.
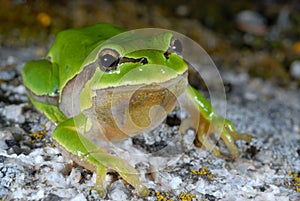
<point x="72" y="46"/>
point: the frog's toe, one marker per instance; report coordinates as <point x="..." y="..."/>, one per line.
<point x="125" y="170"/>
<point x="229" y="141"/>
<point x="202" y="140"/>
<point x="229" y="135"/>
<point x="100" y="180"/>
<point x="241" y="136"/>
<point x="225" y="129"/>
<point x="142" y="190"/>
<point x="133" y="179"/>
<point x="229" y="127"/>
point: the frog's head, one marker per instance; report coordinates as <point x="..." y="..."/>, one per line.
<point x="138" y="60"/>
<point x="138" y="73"/>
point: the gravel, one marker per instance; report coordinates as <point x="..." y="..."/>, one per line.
<point x="32" y="168"/>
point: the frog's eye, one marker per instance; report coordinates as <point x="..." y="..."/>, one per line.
<point x="108" y="60"/>
<point x="175" y="46"/>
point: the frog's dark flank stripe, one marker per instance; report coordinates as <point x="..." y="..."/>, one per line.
<point x="73" y="89"/>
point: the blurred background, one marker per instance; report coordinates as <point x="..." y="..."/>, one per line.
<point x="261" y="37"/>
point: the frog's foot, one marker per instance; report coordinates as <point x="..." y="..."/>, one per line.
<point x="225" y="129"/>
<point x="106" y="162"/>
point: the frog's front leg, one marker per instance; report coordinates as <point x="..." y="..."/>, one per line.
<point x="206" y="122"/>
<point x="68" y="135"/>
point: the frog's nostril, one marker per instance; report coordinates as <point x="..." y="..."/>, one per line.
<point x="144" y="61"/>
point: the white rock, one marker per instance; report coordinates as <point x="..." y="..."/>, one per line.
<point x="175" y="182"/>
<point x="67" y="193"/>
<point x="264" y="196"/>
<point x="56" y="179"/>
<point x="3" y="145"/>
<point x="74" y="177"/>
<point x="295" y="69"/>
<point x="40" y="194"/>
<point x="79" y="197"/>
<point x="118" y="191"/>
<point x="11" y="60"/>
<point x="19" y="89"/>
<point x="200" y="186"/>
<point x="18" y="194"/>
<point x="14" y="112"/>
<point x="251" y="22"/>
<point x="4" y="135"/>
<point x="38" y="160"/>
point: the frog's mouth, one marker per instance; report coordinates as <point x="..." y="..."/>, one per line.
<point x="178" y="81"/>
<point x="132" y="75"/>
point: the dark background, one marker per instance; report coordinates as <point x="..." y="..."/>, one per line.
<point x="261" y="37"/>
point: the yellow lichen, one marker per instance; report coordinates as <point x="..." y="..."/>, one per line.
<point x="204" y="171"/>
<point x="38" y="134"/>
<point x="186" y="197"/>
<point x="162" y="196"/>
<point x="293" y="180"/>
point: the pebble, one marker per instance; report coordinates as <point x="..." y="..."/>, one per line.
<point x="17" y="149"/>
<point x="10" y="173"/>
<point x="11" y="143"/>
<point x="11" y="60"/>
<point x="295" y="69"/>
<point x="7" y="75"/>
<point x="66" y="193"/>
<point x="251" y="22"/>
<point x="79" y="197"/>
<point x="56" y="179"/>
<point x="14" y="112"/>
<point x="182" y="10"/>
<point x="75" y="176"/>
<point x="118" y="191"/>
<point x="175" y="182"/>
<point x="19" y="89"/>
<point x="3" y="145"/>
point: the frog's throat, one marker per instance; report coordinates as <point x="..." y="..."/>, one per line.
<point x="126" y="111"/>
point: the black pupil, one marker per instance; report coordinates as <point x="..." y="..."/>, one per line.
<point x="177" y="47"/>
<point x="108" y="60"/>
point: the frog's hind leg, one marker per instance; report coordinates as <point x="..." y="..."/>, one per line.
<point x="125" y="170"/>
<point x="229" y="135"/>
<point x="68" y="135"/>
<point x="207" y="122"/>
<point x="202" y="137"/>
<point x="223" y="128"/>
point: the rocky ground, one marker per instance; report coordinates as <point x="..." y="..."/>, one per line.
<point x="32" y="168"/>
<point x="257" y="49"/>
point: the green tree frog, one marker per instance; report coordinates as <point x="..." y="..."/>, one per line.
<point x="96" y="91"/>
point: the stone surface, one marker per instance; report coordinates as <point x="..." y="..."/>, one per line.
<point x="270" y="114"/>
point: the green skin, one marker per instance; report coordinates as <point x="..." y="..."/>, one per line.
<point x="50" y="88"/>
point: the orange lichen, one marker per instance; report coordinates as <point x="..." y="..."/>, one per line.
<point x="296" y="47"/>
<point x="44" y="19"/>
